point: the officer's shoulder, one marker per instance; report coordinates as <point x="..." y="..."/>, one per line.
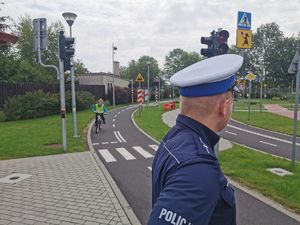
<point x="185" y="144"/>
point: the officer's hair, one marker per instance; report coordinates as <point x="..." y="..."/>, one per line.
<point x="203" y="106"/>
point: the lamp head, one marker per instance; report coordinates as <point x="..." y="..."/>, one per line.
<point x="69" y="17"/>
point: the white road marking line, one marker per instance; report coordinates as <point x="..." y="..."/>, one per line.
<point x="104" y="143"/>
<point x="95" y="143"/>
<point x="117" y="136"/>
<point x="230" y="132"/>
<point x="113" y="125"/>
<point x="150" y="168"/>
<point x="116" y="116"/>
<point x="267" y="143"/>
<point x="142" y="152"/>
<point x="114" y="142"/>
<point x="119" y="112"/>
<point x="121" y="136"/>
<point x="107" y="156"/>
<point x="262" y="135"/>
<point x="123" y="110"/>
<point x="154" y="147"/>
<point x="127" y="155"/>
<point x="114" y="120"/>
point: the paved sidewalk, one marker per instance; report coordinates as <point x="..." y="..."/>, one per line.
<point x="62" y="189"/>
<point x="279" y="110"/>
<point x="72" y="188"/>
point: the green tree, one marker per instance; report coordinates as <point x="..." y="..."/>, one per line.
<point x="80" y="68"/>
<point x="28" y="57"/>
<point x="178" y="59"/>
<point x="274" y="52"/>
<point x="141" y="66"/>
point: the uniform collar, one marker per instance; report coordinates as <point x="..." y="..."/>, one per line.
<point x="211" y="137"/>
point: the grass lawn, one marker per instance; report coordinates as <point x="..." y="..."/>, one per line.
<point x="249" y="167"/>
<point x="41" y="136"/>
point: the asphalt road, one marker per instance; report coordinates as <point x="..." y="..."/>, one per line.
<point x="128" y="155"/>
<point x="267" y="141"/>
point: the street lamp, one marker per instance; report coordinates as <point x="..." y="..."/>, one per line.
<point x="70" y="18"/>
<point x="148" y="64"/>
<point x="114" y="48"/>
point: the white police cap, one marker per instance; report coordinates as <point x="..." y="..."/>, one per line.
<point x="208" y="77"/>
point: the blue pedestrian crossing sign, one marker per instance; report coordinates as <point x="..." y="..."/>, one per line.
<point x="244" y="20"/>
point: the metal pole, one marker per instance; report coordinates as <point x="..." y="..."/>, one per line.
<point x="148" y="85"/>
<point x="60" y="75"/>
<point x="63" y="104"/>
<point x="113" y="52"/>
<point x="263" y="75"/>
<point x="249" y="99"/>
<point x="73" y="94"/>
<point x="158" y="89"/>
<point x="296" y="114"/>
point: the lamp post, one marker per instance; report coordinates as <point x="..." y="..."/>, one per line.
<point x="70" y="18"/>
<point x="114" y="48"/>
<point x="148" y="64"/>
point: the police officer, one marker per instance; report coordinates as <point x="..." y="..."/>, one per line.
<point x="188" y="185"/>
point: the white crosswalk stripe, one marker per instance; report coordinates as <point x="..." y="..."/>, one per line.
<point x="107" y="156"/>
<point x="154" y="147"/>
<point x="142" y="151"/>
<point x="126" y="154"/>
<point x="112" y="155"/>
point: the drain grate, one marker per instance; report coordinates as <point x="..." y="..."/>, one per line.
<point x="14" y="178"/>
<point x="279" y="171"/>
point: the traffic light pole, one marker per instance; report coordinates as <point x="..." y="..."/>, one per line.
<point x="73" y="99"/>
<point x="295" y="126"/>
<point x="62" y="104"/>
<point x="60" y="76"/>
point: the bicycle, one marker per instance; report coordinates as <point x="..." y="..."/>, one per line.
<point x="98" y="123"/>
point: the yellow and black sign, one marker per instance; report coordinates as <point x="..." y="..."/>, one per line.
<point x="243" y="38"/>
<point x="139" y="78"/>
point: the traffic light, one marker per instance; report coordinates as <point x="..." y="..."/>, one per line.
<point x="216" y="43"/>
<point x="66" y="50"/>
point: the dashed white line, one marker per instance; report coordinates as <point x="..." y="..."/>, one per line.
<point x="142" y="152"/>
<point x="267" y="143"/>
<point x="119" y="112"/>
<point x="114" y="120"/>
<point x="107" y="156"/>
<point x="95" y="143"/>
<point x="121" y="136"/>
<point x="262" y="135"/>
<point x="104" y="143"/>
<point x="116" y="116"/>
<point x="230" y="132"/>
<point x="114" y="142"/>
<point x="127" y="155"/>
<point x="113" y="125"/>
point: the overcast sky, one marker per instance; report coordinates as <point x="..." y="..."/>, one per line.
<point x="151" y="27"/>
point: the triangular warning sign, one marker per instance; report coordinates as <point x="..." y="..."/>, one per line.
<point x="244" y="21"/>
<point x="139" y="78"/>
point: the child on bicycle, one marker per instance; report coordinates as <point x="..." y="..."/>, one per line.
<point x="99" y="108"/>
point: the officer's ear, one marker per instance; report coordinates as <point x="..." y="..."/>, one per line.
<point x="224" y="106"/>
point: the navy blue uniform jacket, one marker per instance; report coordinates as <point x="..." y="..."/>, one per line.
<point x="188" y="186"/>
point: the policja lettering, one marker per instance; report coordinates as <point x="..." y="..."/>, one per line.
<point x="172" y="217"/>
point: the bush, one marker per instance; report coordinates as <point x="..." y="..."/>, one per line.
<point x="39" y="104"/>
<point x="2" y="116"/>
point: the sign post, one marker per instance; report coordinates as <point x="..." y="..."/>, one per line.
<point x="250" y="76"/>
<point x="295" y="68"/>
<point x="140" y="92"/>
